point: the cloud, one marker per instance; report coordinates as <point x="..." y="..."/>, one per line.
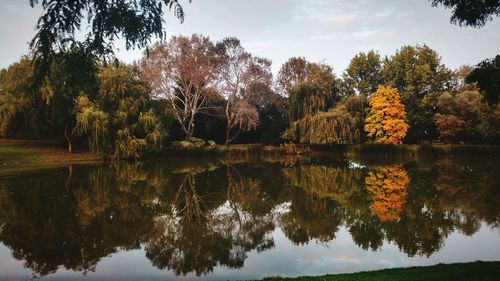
<point x="334" y="30"/>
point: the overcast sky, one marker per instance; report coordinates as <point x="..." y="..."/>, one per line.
<point x="332" y="31"/>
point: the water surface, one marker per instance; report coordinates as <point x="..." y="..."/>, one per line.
<point x="246" y="219"/>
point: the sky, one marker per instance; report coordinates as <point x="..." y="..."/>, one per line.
<point x="328" y="31"/>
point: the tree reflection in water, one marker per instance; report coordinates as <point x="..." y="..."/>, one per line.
<point x="191" y="218"/>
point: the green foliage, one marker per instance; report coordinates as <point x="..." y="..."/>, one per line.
<point x="363" y="75"/>
<point x="417" y="73"/>
<point x="340" y="125"/>
<point x="134" y="21"/>
<point x="487" y="76"/>
<point x="470" y="13"/>
<point x="121" y="120"/>
<point x="487" y="271"/>
<point x="18" y="102"/>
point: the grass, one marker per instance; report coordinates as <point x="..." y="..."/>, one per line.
<point x="23" y="155"/>
<point x="474" y="271"/>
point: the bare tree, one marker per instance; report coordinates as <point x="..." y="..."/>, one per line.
<point x="242" y="78"/>
<point x="183" y="70"/>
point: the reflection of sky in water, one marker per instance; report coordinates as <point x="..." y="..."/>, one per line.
<point x="285" y="259"/>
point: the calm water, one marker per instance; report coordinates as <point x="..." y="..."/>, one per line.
<point x="214" y="219"/>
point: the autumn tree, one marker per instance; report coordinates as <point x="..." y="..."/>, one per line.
<point x="242" y="78"/>
<point x="419" y="76"/>
<point x="388" y="188"/>
<point x="363" y="74"/>
<point x="474" y="13"/>
<point x="183" y="70"/>
<point x="459" y="116"/>
<point x="487" y="77"/>
<point x="121" y="119"/>
<point x="386" y="122"/>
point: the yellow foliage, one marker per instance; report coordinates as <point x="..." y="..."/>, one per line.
<point x="388" y="189"/>
<point x="386" y="122"/>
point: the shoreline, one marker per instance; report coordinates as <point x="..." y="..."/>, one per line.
<point x="471" y="271"/>
<point x="30" y="155"/>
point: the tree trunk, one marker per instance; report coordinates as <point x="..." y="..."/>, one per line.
<point x="228" y="137"/>
<point x="68" y="138"/>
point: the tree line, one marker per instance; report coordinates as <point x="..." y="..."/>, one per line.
<point x="191" y="86"/>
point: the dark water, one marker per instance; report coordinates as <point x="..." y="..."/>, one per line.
<point x="214" y="219"/>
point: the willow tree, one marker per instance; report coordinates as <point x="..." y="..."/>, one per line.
<point x="104" y="21"/>
<point x="310" y="87"/>
<point x="121" y="120"/>
<point x="243" y="78"/>
<point x="386" y="122"/>
<point x="72" y="73"/>
<point x="183" y="70"/>
<point x="340" y="125"/>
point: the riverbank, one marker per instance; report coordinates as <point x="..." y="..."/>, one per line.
<point x="20" y="155"/>
<point x="473" y="271"/>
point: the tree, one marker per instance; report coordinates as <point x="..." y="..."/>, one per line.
<point x="19" y="105"/>
<point x="242" y="78"/>
<point x="310" y="87"/>
<point x="72" y="73"/>
<point x="487" y="76"/>
<point x="418" y="75"/>
<point x="386" y="122"/>
<point x="342" y="124"/>
<point x="388" y="188"/>
<point x="475" y="13"/>
<point x="184" y="71"/>
<point x="459" y="79"/>
<point x="459" y="116"/>
<point x="363" y="75"/>
<point x="121" y="120"/>
<point x="135" y="21"/>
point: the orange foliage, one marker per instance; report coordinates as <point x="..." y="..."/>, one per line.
<point x="386" y="122"/>
<point x="388" y="189"/>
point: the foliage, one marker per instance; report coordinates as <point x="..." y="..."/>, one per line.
<point x="363" y="74"/>
<point x="183" y="70"/>
<point x="310" y="87"/>
<point x="121" y="120"/>
<point x="133" y="20"/>
<point x="388" y="190"/>
<point x="242" y="79"/>
<point x="470" y="13"/>
<point x="72" y="73"/>
<point x="418" y="74"/>
<point x="386" y="122"/>
<point x="19" y="109"/>
<point x="487" y="77"/>
<point x="487" y="271"/>
<point x="461" y="117"/>
<point x="342" y="124"/>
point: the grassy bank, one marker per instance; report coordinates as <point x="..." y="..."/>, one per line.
<point x="20" y="155"/>
<point x="474" y="271"/>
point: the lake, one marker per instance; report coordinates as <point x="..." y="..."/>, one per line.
<point x="220" y="219"/>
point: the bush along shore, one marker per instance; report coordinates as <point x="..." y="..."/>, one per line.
<point x="474" y="271"/>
